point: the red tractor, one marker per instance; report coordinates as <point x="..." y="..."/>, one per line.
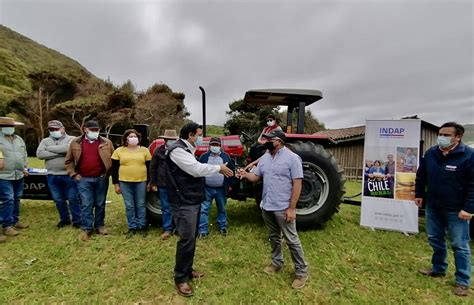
<point x="323" y="183"/>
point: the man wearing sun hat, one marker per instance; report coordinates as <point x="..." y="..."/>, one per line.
<point x="11" y="176"/>
<point x="282" y="174"/>
<point x="158" y="180"/>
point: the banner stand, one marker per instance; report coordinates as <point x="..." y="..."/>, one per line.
<point x="391" y="157"/>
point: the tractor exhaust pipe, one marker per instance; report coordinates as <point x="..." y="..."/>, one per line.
<point x="203" y="111"/>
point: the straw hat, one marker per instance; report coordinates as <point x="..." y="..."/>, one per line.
<point x="9" y="122"/>
<point x="170" y="134"/>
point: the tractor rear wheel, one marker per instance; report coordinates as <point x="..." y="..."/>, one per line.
<point x="323" y="184"/>
<point x="153" y="208"/>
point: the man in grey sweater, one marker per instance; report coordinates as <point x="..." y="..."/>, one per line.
<point x="63" y="189"/>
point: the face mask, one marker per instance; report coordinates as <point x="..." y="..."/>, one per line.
<point x="215" y="149"/>
<point x="8" y="131"/>
<point x="270" y="123"/>
<point x="443" y="141"/>
<point x="55" y="134"/>
<point x="169" y="143"/>
<point x="198" y="141"/>
<point x="132" y="141"/>
<point x="269" y="146"/>
<point x="92" y="135"/>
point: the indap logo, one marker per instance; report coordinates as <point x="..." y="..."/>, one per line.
<point x="390" y="132"/>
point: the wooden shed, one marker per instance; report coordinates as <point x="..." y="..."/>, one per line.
<point x="349" y="150"/>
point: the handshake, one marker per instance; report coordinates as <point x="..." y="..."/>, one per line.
<point x="226" y="171"/>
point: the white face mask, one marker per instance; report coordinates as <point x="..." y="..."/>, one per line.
<point x="132" y="141"/>
<point x="270" y="123"/>
<point x="8" y="131"/>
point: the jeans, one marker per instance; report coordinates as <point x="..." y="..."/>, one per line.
<point x="186" y="218"/>
<point x="66" y="197"/>
<point x="219" y="194"/>
<point x="438" y="223"/>
<point x="92" y="191"/>
<point x="134" y="194"/>
<point x="10" y="194"/>
<point x="166" y="215"/>
<point x="277" y="226"/>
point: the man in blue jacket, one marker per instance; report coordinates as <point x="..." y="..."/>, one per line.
<point x="445" y="181"/>
<point x="217" y="187"/>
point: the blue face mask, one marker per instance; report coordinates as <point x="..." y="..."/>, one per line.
<point x="198" y="141"/>
<point x="8" y="131"/>
<point x="55" y="134"/>
<point x="92" y="135"/>
<point x="215" y="149"/>
<point x="170" y="142"/>
<point x="444" y="141"/>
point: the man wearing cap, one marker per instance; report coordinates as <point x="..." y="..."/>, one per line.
<point x="158" y="181"/>
<point x="282" y="173"/>
<point x="88" y="161"/>
<point x="217" y="187"/>
<point x="63" y="188"/>
<point x="14" y="169"/>
<point x="186" y="193"/>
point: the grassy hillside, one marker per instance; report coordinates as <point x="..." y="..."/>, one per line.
<point x="21" y="57"/>
<point x="468" y="137"/>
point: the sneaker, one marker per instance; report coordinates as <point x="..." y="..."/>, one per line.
<point x="203" y="235"/>
<point x="20" y="225"/>
<point x="461" y="290"/>
<point x="10" y="231"/>
<point x="270" y="269"/>
<point x="63" y="224"/>
<point x="430" y="272"/>
<point x="166" y="235"/>
<point x="3" y="238"/>
<point x="223" y="231"/>
<point x="84" y="235"/>
<point x="102" y="231"/>
<point x="299" y="281"/>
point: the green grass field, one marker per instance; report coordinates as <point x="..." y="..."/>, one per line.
<point x="348" y="264"/>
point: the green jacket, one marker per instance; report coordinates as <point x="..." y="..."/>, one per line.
<point x="14" y="156"/>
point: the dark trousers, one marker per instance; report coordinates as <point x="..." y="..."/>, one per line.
<point x="186" y="218"/>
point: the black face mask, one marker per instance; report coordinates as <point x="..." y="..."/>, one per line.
<point x="269" y="145"/>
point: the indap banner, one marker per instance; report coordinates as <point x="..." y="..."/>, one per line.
<point x="391" y="155"/>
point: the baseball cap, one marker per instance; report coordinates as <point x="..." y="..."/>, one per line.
<point x="55" y="124"/>
<point x="91" y="124"/>
<point x="215" y="140"/>
<point x="275" y="134"/>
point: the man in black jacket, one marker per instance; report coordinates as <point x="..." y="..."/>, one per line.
<point x="445" y="180"/>
<point x="158" y="180"/>
<point x="186" y="192"/>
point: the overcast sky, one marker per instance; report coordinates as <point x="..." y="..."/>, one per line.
<point x="371" y="59"/>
